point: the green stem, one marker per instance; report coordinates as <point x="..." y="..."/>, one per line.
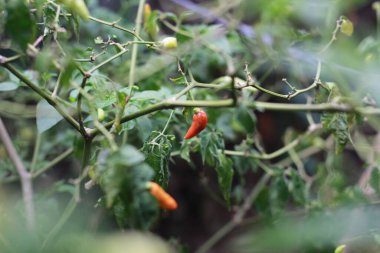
<point x="184" y="91"/>
<point x="106" y="134"/>
<point x="36" y="152"/>
<point x="53" y="162"/>
<point x="107" y="61"/>
<point x="167" y="122"/>
<point x="113" y="24"/>
<point x="79" y="108"/>
<point x="60" y="223"/>
<point x="275" y="154"/>
<point x="57" y="85"/>
<point x="333" y="37"/>
<point x="323" y="107"/>
<point x="134" y="47"/>
<point x="168" y="105"/>
<point x="44" y="95"/>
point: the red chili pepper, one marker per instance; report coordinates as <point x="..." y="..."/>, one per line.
<point x="199" y="123"/>
<point x="164" y="199"/>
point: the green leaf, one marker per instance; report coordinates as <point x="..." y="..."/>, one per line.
<point x="123" y="176"/>
<point x="8" y="86"/>
<point x="68" y="71"/>
<point x="244" y="120"/>
<point x="225" y="174"/>
<point x="210" y="144"/>
<point x="337" y="123"/>
<point x="44" y="60"/>
<point x="47" y="116"/>
<point x="19" y="23"/>
<point x="157" y="149"/>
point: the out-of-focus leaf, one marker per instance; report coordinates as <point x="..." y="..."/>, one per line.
<point x="67" y="73"/>
<point x="157" y="149"/>
<point x="375" y="180"/>
<point x="244" y="120"/>
<point x="123" y="175"/>
<point x="150" y="25"/>
<point x="44" y="60"/>
<point x="306" y="231"/>
<point x="47" y="116"/>
<point x="340" y="249"/>
<point x="20" y="25"/>
<point x="7" y="86"/>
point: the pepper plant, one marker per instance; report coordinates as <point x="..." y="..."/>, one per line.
<point x="122" y="99"/>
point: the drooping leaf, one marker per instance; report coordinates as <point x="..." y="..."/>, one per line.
<point x="210" y="144"/>
<point x="8" y="86"/>
<point x="47" y="116"/>
<point x="225" y="174"/>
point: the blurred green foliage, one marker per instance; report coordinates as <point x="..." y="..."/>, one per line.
<point x="277" y="39"/>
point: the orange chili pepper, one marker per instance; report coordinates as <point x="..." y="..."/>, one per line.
<point x="166" y="201"/>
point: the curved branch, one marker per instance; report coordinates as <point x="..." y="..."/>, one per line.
<point x="25" y="176"/>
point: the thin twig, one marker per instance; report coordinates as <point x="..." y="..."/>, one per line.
<point x="25" y="176"/>
<point x="237" y="218"/>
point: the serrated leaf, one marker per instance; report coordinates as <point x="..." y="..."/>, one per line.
<point x="225" y="174"/>
<point x="337" y="123"/>
<point x="210" y="144"/>
<point x="47" y="116"/>
<point x="8" y="86"/>
<point x="157" y="149"/>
